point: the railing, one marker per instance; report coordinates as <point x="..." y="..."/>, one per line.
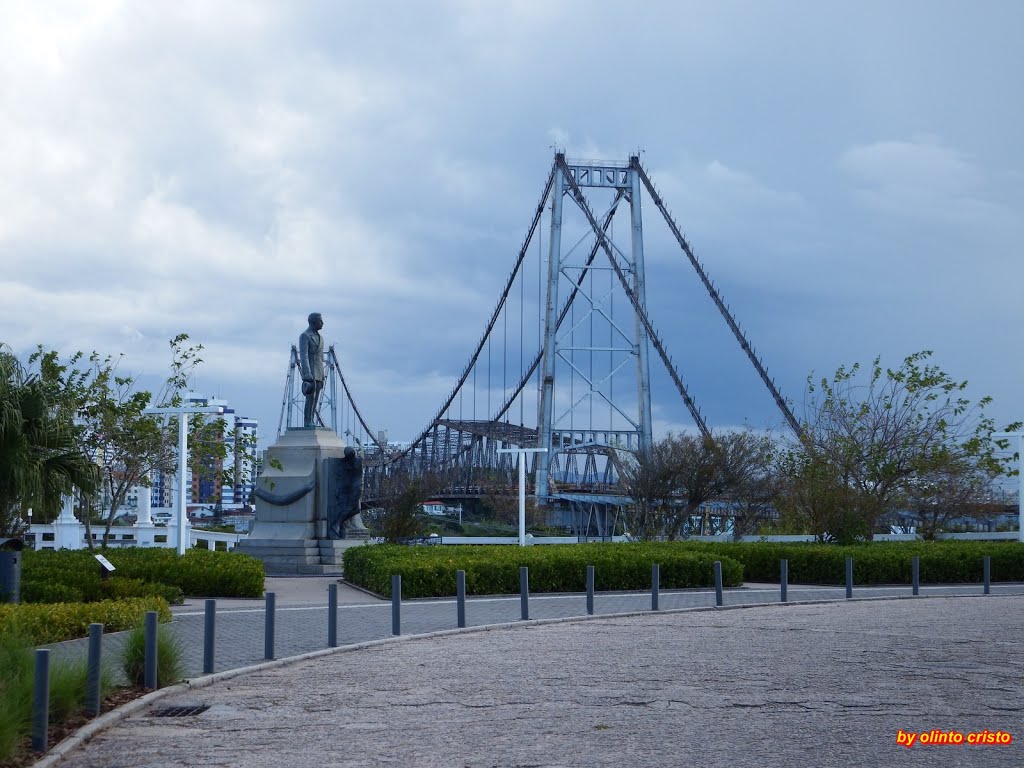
<point x="64" y="536"/>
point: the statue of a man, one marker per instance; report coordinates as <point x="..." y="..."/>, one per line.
<point x="311" y="365"/>
<point x="347" y="487"/>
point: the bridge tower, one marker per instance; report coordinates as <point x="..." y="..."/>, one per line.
<point x="627" y="342"/>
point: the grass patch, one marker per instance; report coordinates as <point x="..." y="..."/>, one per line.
<point x="67" y="692"/>
<point x="169" y="657"/>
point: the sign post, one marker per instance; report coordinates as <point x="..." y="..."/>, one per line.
<point x="522" y="486"/>
<point x="182" y="412"/>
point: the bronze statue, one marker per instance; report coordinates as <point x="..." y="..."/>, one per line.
<point x="311" y="365"/>
<point x="346" y="486"/>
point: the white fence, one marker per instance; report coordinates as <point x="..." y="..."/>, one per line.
<point x="72" y="536"/>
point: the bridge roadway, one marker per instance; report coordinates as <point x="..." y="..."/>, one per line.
<point x="812" y="683"/>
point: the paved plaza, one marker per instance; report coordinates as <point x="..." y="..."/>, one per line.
<point x="812" y="683"/>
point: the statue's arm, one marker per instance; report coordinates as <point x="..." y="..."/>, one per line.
<point x="304" y="367"/>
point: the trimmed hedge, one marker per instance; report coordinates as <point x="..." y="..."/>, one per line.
<point x="50" y="576"/>
<point x="883" y="562"/>
<point x="494" y="570"/>
<point x="57" y="622"/>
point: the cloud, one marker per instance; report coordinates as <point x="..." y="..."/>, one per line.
<point x="223" y="169"/>
<point x="920" y="179"/>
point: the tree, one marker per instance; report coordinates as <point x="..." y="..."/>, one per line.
<point x="871" y="447"/>
<point x="396" y="514"/>
<point x="676" y="476"/>
<point x="112" y="428"/>
<point x="39" y="460"/>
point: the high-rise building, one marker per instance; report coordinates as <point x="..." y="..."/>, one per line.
<point x="228" y="481"/>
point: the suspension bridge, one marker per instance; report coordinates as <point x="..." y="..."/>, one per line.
<point x="563" y="362"/>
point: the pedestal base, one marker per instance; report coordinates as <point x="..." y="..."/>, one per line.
<point x="282" y="557"/>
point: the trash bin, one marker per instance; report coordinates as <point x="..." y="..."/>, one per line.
<point x="10" y="570"/>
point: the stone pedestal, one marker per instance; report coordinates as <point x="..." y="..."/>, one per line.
<point x="290" y="532"/>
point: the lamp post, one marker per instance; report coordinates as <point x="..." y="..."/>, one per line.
<point x="182" y="412"/>
<point x="1020" y="478"/>
<point x="522" y="486"/>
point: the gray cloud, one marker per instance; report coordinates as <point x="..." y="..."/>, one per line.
<point x="851" y="178"/>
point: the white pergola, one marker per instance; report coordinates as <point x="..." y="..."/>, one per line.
<point x="1020" y="477"/>
<point x="522" y="486"/>
<point x="182" y="412"/>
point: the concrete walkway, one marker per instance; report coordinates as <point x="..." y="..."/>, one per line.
<point x="808" y="684"/>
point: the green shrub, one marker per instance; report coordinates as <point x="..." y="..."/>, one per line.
<point x="884" y="562"/>
<point x="66" y="576"/>
<point x="116" y="588"/>
<point x="169" y="653"/>
<point x="57" y="622"/>
<point x="490" y="570"/>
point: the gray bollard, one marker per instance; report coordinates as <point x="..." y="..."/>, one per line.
<point x="93" y="670"/>
<point x="524" y="592"/>
<point x="718" y="583"/>
<point x="149" y="665"/>
<point x="986" y="565"/>
<point x="849" y="577"/>
<point x="396" y="604"/>
<point x="268" y="625"/>
<point x="460" y="598"/>
<point x="209" y="636"/>
<point x="41" y="702"/>
<point x="590" y="590"/>
<point x="915" y="574"/>
<point x="783" y="579"/>
<point x="332" y="615"/>
<point x="655" y="585"/>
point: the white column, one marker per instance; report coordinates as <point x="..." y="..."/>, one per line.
<point x="145" y="508"/>
<point x="68" y="533"/>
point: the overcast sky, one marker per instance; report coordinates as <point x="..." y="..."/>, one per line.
<point x="851" y="174"/>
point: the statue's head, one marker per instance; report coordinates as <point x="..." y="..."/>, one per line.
<point x="350" y="452"/>
<point x="316" y="320"/>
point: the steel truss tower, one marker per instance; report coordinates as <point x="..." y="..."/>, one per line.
<point x="627" y="342"/>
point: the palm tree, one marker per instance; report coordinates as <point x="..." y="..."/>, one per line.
<point x="39" y="457"/>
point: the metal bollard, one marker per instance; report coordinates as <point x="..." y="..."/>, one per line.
<point x="209" y="636"/>
<point x="524" y="592"/>
<point x="590" y="590"/>
<point x="268" y="625"/>
<point x="783" y="580"/>
<point x="41" y="702"/>
<point x="849" y="577"/>
<point x="986" y="565"/>
<point x="396" y="604"/>
<point x="92" y="680"/>
<point x="655" y="585"/>
<point x="718" y="583"/>
<point x="915" y="574"/>
<point x="460" y="598"/>
<point x="332" y="615"/>
<point x="150" y="663"/>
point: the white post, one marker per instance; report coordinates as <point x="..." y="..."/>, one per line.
<point x="182" y="413"/>
<point x="522" y="486"/>
<point x="182" y="475"/>
<point x="1020" y="478"/>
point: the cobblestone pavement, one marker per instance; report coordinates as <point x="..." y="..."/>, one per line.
<point x="301" y="618"/>
<point x="813" y="684"/>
